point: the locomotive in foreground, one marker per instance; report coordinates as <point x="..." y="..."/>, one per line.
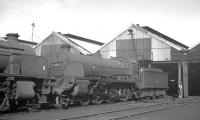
<point x="24" y="77"/>
<point x="88" y="79"/>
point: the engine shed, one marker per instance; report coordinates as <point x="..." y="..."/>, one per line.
<point x="75" y="42"/>
<point x="142" y="43"/>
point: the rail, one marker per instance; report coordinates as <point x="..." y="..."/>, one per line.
<point x="143" y="110"/>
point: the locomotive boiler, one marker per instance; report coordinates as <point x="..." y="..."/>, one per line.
<point x="88" y="79"/>
<point x="23" y="75"/>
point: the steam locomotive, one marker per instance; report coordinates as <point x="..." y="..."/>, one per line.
<point x="24" y="77"/>
<point x="62" y="78"/>
<point x="88" y="79"/>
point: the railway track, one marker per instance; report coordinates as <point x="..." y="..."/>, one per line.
<point x="131" y="111"/>
<point x="52" y="108"/>
<point x="105" y="111"/>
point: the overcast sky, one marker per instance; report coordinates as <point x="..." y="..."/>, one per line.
<point x="100" y="20"/>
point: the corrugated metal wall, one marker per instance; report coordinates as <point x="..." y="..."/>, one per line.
<point x="130" y="48"/>
<point x="125" y="49"/>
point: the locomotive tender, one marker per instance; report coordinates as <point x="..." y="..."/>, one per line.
<point x="62" y="78"/>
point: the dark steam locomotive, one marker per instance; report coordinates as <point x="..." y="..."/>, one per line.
<point x="62" y="78"/>
<point x="24" y="77"/>
<point x="88" y="79"/>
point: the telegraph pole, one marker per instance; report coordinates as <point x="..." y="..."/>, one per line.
<point x="33" y="25"/>
<point x="133" y="44"/>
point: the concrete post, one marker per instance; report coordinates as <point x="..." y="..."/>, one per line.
<point x="179" y="76"/>
<point x="185" y="78"/>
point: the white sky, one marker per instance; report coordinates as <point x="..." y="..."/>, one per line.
<point x="100" y="20"/>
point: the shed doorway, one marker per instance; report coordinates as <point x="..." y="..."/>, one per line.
<point x="194" y="79"/>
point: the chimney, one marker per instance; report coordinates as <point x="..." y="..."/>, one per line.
<point x="12" y="37"/>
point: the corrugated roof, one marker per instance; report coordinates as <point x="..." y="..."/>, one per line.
<point x="83" y="39"/>
<point x="164" y="36"/>
<point x="78" y="46"/>
<point x="83" y="43"/>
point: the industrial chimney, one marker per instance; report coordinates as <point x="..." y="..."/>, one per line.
<point x="13" y="37"/>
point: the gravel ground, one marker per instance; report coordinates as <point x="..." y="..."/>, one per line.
<point x="54" y="114"/>
<point x="186" y="112"/>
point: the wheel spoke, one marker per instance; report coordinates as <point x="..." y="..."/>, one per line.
<point x="97" y="100"/>
<point x="61" y="102"/>
<point x="85" y="101"/>
<point x="4" y="104"/>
